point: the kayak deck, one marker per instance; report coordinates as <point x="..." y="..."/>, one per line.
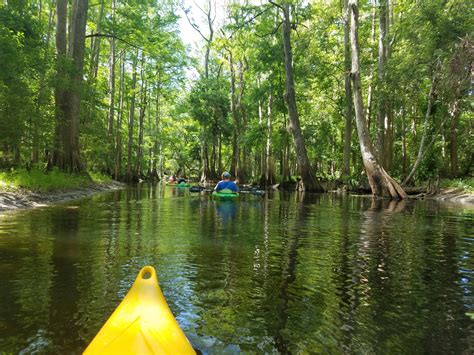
<point x="142" y="323"/>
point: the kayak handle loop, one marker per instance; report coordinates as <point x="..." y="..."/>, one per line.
<point x="147" y="273"/>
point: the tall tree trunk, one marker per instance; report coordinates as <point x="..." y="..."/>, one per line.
<point x="73" y="158"/>
<point x="404" y="144"/>
<point x="346" y="169"/>
<point x="141" y="125"/>
<point x="141" y="119"/>
<point x="388" y="149"/>
<point x="269" y="174"/>
<point x="308" y="180"/>
<point x="131" y="119"/>
<point x="421" y="149"/>
<point x="260" y="156"/>
<point x="156" y="143"/>
<point x="453" y="144"/>
<point x="94" y="64"/>
<point x="381" y="100"/>
<point x="110" y="126"/>
<point x="285" y="156"/>
<point x="389" y="135"/>
<point x="234" y="166"/>
<point x="206" y="171"/>
<point x="208" y="39"/>
<point x="380" y="182"/>
<point x="368" y="113"/>
<point x="244" y="156"/>
<point x="213" y="154"/>
<point x="219" y="153"/>
<point x="118" y="130"/>
<point x="66" y="155"/>
<point x="60" y="93"/>
<point x="37" y="123"/>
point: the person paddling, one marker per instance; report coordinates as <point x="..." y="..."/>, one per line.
<point x="226" y="183"/>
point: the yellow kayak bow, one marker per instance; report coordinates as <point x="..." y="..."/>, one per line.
<point x="142" y="323"/>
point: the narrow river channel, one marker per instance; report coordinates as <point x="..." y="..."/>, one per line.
<point x="280" y="274"/>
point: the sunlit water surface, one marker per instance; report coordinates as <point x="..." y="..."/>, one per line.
<point x="281" y="274"/>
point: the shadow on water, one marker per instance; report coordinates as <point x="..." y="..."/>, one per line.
<point x="289" y="273"/>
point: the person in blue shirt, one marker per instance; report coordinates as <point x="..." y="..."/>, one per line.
<point x="226" y="183"/>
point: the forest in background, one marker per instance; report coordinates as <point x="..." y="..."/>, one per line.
<point x="103" y="86"/>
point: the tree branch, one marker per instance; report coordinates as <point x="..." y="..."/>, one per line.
<point x="271" y="33"/>
<point x="193" y="25"/>
<point x="112" y="36"/>
<point x="275" y="4"/>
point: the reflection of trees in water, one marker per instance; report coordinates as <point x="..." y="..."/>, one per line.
<point x="444" y="277"/>
<point x="385" y="281"/>
<point x="362" y="279"/>
<point x="218" y="267"/>
<point x="26" y="278"/>
<point x="65" y="293"/>
<point x="398" y="297"/>
<point x="344" y="278"/>
<point x="289" y="259"/>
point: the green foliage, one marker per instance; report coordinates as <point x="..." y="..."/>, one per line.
<point x="466" y="185"/>
<point x="20" y="47"/>
<point x="38" y="180"/>
<point x="425" y="38"/>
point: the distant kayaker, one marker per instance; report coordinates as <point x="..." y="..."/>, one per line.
<point x="226" y="183"/>
<point x="181" y="180"/>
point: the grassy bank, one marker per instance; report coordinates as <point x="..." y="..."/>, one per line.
<point x="40" y="181"/>
<point x="466" y="185"/>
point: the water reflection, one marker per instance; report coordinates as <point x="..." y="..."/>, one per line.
<point x="288" y="273"/>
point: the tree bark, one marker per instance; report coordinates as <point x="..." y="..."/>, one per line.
<point x="66" y="155"/>
<point x="346" y="169"/>
<point x="77" y="45"/>
<point x="73" y="158"/>
<point x="380" y="182"/>
<point x="308" y="180"/>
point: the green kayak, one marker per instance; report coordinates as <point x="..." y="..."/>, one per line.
<point x="225" y="194"/>
<point x="183" y="184"/>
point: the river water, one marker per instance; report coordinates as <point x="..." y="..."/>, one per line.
<point x="285" y="273"/>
